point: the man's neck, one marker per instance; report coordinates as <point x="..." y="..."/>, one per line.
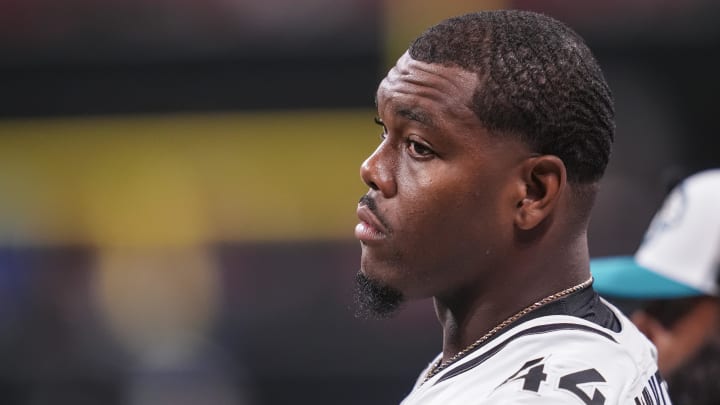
<point x="468" y="315"/>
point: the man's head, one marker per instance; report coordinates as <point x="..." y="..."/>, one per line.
<point x="491" y="121"/>
<point x="674" y="278"/>
<point x="536" y="80"/>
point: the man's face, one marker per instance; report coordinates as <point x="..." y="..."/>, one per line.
<point x="438" y="218"/>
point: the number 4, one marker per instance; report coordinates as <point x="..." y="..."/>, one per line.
<point x="570" y="382"/>
<point x="533" y="377"/>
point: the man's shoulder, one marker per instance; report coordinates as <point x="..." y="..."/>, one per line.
<point x="568" y="342"/>
<point x="578" y="363"/>
<point x="555" y="359"/>
<point x="563" y="337"/>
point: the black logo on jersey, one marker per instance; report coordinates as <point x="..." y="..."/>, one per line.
<point x="533" y="373"/>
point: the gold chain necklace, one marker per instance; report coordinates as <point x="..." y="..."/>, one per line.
<point x="440" y="365"/>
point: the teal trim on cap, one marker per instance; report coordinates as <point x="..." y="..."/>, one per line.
<point x="622" y="277"/>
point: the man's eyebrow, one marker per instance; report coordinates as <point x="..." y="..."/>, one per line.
<point x="417" y="115"/>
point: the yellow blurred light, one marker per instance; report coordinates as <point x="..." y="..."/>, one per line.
<point x="180" y="180"/>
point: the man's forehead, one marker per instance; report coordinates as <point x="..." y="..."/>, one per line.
<point x="406" y="63"/>
<point x="417" y="90"/>
<point x="452" y="80"/>
<point x="413" y="70"/>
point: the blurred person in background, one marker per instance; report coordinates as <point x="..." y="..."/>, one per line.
<point x="497" y="127"/>
<point x="671" y="288"/>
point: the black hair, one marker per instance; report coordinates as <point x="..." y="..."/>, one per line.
<point x="538" y="80"/>
<point x="669" y="311"/>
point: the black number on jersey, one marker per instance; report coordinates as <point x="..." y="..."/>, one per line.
<point x="534" y="374"/>
<point x="571" y="381"/>
<point x="533" y="377"/>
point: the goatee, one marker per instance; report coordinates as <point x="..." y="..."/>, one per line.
<point x="374" y="300"/>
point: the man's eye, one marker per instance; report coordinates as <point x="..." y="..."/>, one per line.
<point x="380" y="122"/>
<point x="419" y="149"/>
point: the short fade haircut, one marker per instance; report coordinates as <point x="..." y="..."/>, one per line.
<point x="538" y="80"/>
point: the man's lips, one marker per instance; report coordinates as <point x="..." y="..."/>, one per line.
<point x="370" y="228"/>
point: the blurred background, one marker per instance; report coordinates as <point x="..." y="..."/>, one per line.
<point x="178" y="181"/>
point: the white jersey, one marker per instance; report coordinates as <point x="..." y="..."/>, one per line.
<point x="554" y="359"/>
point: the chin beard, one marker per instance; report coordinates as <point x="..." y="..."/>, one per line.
<point x="695" y="382"/>
<point x="374" y="300"/>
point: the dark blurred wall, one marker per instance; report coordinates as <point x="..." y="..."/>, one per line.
<point x="86" y="57"/>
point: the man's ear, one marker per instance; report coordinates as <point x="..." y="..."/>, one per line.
<point x="545" y="177"/>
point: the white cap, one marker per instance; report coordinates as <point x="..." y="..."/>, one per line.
<point x="680" y="254"/>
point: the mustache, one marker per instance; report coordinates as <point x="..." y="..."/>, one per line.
<point x="369" y="202"/>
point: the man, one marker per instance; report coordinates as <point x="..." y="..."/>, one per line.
<point x="497" y="127"/>
<point x="673" y="281"/>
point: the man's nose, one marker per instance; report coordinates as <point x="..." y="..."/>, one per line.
<point x="377" y="171"/>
